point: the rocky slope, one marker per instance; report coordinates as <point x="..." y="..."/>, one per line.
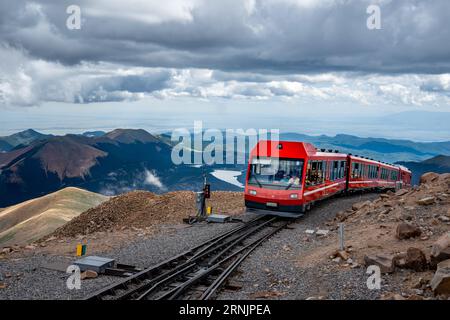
<point x="406" y="234"/>
<point x="146" y="210"/>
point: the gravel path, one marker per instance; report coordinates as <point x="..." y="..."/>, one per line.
<point x="270" y="268"/>
<point x="272" y="271"/>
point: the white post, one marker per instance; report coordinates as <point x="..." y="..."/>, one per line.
<point x="341" y="236"/>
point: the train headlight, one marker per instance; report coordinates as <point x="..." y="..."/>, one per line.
<point x="252" y="192"/>
<point x="293" y="196"/>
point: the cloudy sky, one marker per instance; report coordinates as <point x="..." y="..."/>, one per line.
<point x="260" y="63"/>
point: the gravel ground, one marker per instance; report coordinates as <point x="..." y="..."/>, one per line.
<point x="28" y="280"/>
<point x="271" y="269"/>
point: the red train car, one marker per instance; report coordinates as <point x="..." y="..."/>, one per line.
<point x="285" y="178"/>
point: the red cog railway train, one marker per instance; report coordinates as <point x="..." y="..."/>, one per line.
<point x="286" y="178"/>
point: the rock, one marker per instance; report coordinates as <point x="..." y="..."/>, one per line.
<point x="360" y="205"/>
<point x="337" y="259"/>
<point x="321" y="232"/>
<point x="428" y="177"/>
<point x="440" y="284"/>
<point x="309" y="231"/>
<point x="401" y="192"/>
<point x="344" y="255"/>
<point x="426" y="201"/>
<point x="416" y="260"/>
<point x="341" y="216"/>
<point x="384" y="196"/>
<point x="400" y="260"/>
<point x="420" y="283"/>
<point x="89" y="274"/>
<point x="233" y="286"/>
<point x="392" y="296"/>
<point x="384" y="261"/>
<point x="6" y="250"/>
<point x="406" y="231"/>
<point x="444" y="218"/>
<point x="30" y="247"/>
<point x="441" y="249"/>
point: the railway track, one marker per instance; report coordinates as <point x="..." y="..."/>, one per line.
<point x="198" y="273"/>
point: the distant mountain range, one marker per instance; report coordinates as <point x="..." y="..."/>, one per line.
<point x="115" y="162"/>
<point x="438" y="164"/>
<point x="34" y="164"/>
<point x="388" y="150"/>
<point x="22" y="138"/>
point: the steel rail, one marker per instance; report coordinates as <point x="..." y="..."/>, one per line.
<point x="197" y="262"/>
<point x="171" y="265"/>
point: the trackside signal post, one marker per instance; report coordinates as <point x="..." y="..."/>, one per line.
<point x="200" y="202"/>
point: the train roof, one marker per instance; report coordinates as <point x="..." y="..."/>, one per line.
<point x="290" y="147"/>
<point x="307" y="149"/>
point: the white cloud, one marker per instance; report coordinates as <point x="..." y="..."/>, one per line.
<point x="147" y="11"/>
<point x="152" y="179"/>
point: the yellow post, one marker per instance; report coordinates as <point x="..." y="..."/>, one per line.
<point x="79" y="250"/>
<point x="208" y="210"/>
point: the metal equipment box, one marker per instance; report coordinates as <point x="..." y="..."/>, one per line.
<point x="94" y="263"/>
<point x="218" y="218"/>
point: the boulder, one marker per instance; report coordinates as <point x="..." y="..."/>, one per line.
<point x="384" y="261"/>
<point x="441" y="249"/>
<point x="360" y="205"/>
<point x="426" y="201"/>
<point x="444" y="218"/>
<point x="405" y="231"/>
<point x="6" y="250"/>
<point x="428" y="177"/>
<point x="416" y="260"/>
<point x="441" y="279"/>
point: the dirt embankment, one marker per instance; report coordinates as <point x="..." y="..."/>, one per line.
<point x="406" y="234"/>
<point x="146" y="210"/>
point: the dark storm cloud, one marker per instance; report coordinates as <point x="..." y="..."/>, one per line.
<point x="260" y="36"/>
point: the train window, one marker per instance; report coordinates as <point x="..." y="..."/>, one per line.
<point x="357" y="170"/>
<point x="373" y="172"/>
<point x="342" y="169"/>
<point x="275" y="173"/>
<point x="394" y="175"/>
<point x="384" y="174"/>
<point x="315" y="172"/>
<point x="335" y="171"/>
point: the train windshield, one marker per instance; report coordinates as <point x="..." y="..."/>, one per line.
<point x="276" y="173"/>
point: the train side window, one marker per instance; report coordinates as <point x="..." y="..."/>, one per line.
<point x="342" y="169"/>
<point x="335" y="170"/>
<point x="315" y="172"/>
